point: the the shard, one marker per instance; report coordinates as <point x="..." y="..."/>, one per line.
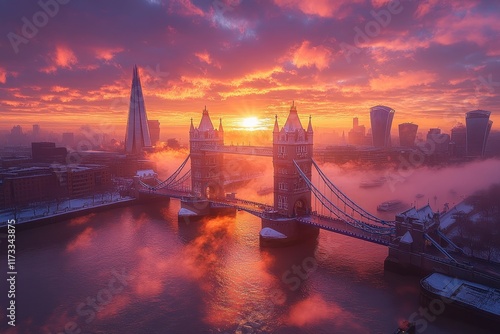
<point x="137" y="136"/>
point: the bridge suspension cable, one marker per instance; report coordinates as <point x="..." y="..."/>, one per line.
<point x="181" y="180"/>
<point x="347" y="201"/>
<point x="338" y="212"/>
<point x="172" y="177"/>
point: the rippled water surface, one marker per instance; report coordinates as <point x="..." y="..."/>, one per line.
<point x="137" y="270"/>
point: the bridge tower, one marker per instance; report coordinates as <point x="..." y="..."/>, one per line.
<point x="206" y="167"/>
<point x="292" y="143"/>
<point x="292" y="197"/>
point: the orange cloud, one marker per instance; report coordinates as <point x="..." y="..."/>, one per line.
<point x="307" y="55"/>
<point x="59" y="89"/>
<point x="186" y="88"/>
<point x="204" y="56"/>
<point x="402" y="80"/>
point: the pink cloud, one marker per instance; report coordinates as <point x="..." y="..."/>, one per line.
<point x="3" y="75"/>
<point x="204" y="56"/>
<point x="323" y="8"/>
<point x="184" y="7"/>
<point x="307" y="56"/>
<point x="424" y="7"/>
<point x="106" y="53"/>
<point x="63" y="57"/>
<point x="451" y="29"/>
<point x="402" y="80"/>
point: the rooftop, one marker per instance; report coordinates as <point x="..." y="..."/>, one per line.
<point x="293" y="122"/>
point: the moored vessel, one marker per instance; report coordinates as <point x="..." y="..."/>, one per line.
<point x="469" y="300"/>
<point x="390" y="206"/>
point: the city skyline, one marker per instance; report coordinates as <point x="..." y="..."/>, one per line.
<point x="224" y="55"/>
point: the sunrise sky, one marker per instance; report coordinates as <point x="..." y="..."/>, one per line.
<point x="430" y="60"/>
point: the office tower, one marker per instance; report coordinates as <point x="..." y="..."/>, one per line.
<point x="478" y="126"/>
<point x="154" y="131"/>
<point x="48" y="152"/>
<point x="407" y="134"/>
<point x="137" y="136"/>
<point x="459" y="139"/>
<point x="381" y="122"/>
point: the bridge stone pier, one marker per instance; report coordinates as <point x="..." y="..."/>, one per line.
<point x="292" y="197"/>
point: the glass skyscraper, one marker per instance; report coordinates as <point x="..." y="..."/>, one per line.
<point x="381" y="121"/>
<point x="478" y="127"/>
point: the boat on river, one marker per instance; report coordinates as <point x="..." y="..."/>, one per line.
<point x="391" y="206"/>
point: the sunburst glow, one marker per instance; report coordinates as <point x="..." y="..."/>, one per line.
<point x="250" y="123"/>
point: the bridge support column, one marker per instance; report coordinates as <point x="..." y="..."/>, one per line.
<point x="281" y="231"/>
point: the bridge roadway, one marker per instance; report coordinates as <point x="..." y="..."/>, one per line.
<point x="341" y="227"/>
<point x="166" y="192"/>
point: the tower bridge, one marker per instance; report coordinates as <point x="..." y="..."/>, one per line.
<point x="413" y="238"/>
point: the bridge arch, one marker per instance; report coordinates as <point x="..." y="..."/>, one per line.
<point x="213" y="190"/>
<point x="300" y="207"/>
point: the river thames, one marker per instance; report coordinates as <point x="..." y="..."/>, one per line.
<point x="137" y="270"/>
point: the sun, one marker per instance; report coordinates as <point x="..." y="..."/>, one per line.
<point x="250" y="123"/>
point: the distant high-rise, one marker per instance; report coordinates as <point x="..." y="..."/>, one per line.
<point x="356" y="135"/>
<point x="137" y="136"/>
<point x="17" y="137"/>
<point x="381" y="121"/>
<point x="68" y="138"/>
<point x="154" y="131"/>
<point x="458" y="137"/>
<point x="36" y="132"/>
<point x="407" y="134"/>
<point x="478" y="127"/>
<point x="440" y="141"/>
